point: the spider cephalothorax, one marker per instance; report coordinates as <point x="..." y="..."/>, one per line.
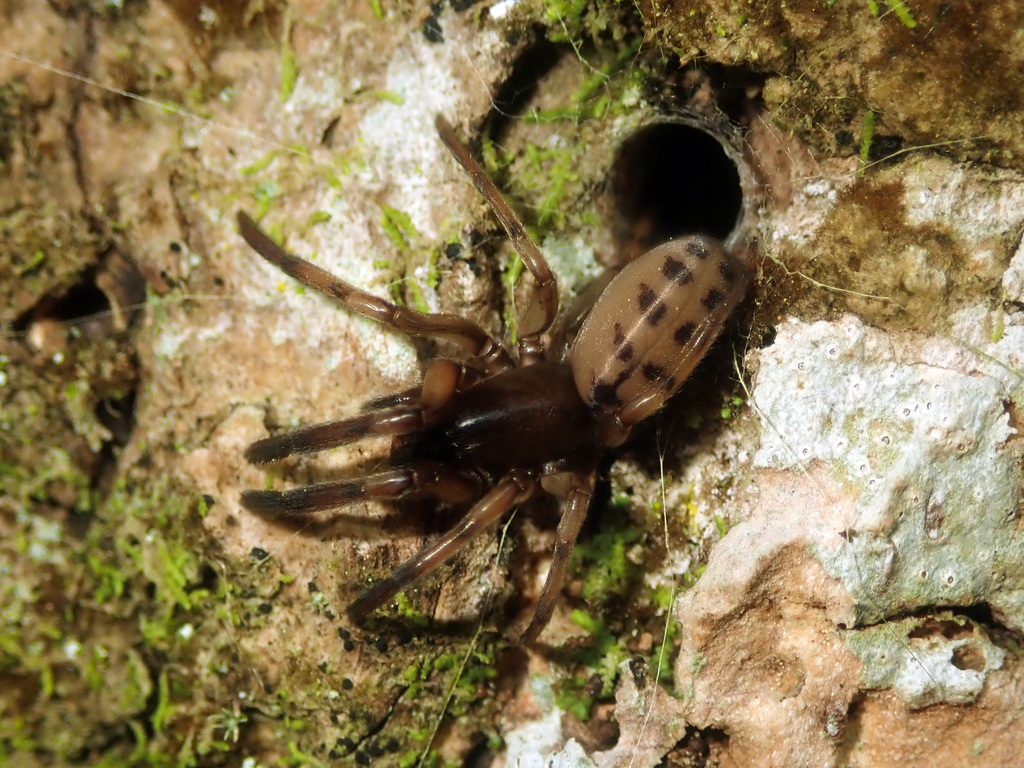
<point x="501" y="428"/>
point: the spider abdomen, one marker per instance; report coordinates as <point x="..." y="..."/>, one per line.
<point x="523" y="417"/>
<point x="651" y="326"/>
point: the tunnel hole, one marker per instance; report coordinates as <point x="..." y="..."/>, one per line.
<point x="104" y="300"/>
<point x="81" y="301"/>
<point x="84" y="300"/>
<point x="672" y="179"/>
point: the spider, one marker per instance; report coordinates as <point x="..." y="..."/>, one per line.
<point x="501" y="429"/>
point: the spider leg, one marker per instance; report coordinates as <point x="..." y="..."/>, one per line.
<point x="404" y="413"/>
<point x="514" y="488"/>
<point x="407" y="482"/>
<point x="544" y="305"/>
<point x="406" y="397"/>
<point x="458" y="330"/>
<point x="580" y="490"/>
<point x="399" y="420"/>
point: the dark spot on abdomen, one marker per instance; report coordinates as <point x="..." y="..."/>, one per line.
<point x="712" y="298"/>
<point x="676" y="271"/>
<point x="697" y="249"/>
<point x="653" y="372"/>
<point x="653" y="309"/>
<point x="684" y="333"/>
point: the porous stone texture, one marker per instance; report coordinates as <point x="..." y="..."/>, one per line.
<point x="860" y="612"/>
<point x="889" y="481"/>
<point x="1013" y="279"/>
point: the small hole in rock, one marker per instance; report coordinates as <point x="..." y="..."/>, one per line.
<point x="968" y="656"/>
<point x="81" y="304"/>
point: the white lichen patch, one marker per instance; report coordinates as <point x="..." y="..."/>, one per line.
<point x="926" y="668"/>
<point x="572" y="755"/>
<point x="977" y="204"/>
<point x="527" y="749"/>
<point x="573" y="261"/>
<point x="915" y="436"/>
<point x="502" y="8"/>
<point x="398" y="133"/>
<point x="533" y="743"/>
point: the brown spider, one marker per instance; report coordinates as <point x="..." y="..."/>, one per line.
<point x="498" y="430"/>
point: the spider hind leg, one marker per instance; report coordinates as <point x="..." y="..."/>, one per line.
<point x="513" y="489"/>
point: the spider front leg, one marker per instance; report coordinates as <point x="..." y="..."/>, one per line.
<point x="544" y="305"/>
<point x="458" y="330"/>
<point x="400" y="414"/>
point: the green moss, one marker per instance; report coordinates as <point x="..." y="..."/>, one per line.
<point x="510" y="279"/>
<point x="36" y="260"/>
<point x="263" y="198"/>
<point x="733" y="404"/>
<point x="398" y="228"/>
<point x="417" y="298"/>
<point x="899" y="8"/>
<point x="407" y="240"/>
<point x="409" y="612"/>
<point x="865" y="142"/>
<point x="445" y="662"/>
<point x="164" y="709"/>
<point x="289" y="67"/>
<point x="259" y="165"/>
<point x="600" y="658"/>
<point x="25" y="486"/>
<point x="389" y="96"/>
<point x="574" y="698"/>
<point x="601" y="562"/>
<point x="135" y="588"/>
<point x="317" y="217"/>
<point x="998" y="328"/>
<point x="580" y="21"/>
<point x="300" y="759"/>
<point x="600" y="92"/>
